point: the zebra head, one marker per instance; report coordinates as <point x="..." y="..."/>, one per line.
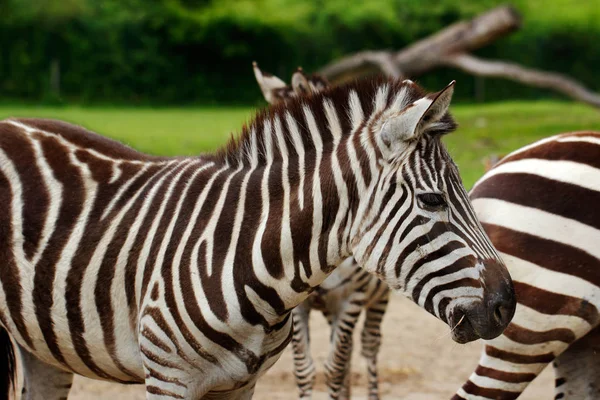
<point x="414" y="226"/>
<point x="276" y="91"/>
<point x="417" y="230"/>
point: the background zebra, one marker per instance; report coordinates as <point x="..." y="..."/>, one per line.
<point x="539" y="206"/>
<point x="121" y="266"/>
<point x="341" y="298"/>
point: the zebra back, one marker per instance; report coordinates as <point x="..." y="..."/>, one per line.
<point x="539" y="208"/>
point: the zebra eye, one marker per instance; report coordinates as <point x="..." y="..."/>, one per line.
<point x="433" y="200"/>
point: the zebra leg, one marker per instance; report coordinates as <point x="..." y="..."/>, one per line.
<point x="371" y="341"/>
<point x="338" y="362"/>
<point x="42" y="381"/>
<point x="577" y="370"/>
<point x="304" y="367"/>
<point x="346" y="389"/>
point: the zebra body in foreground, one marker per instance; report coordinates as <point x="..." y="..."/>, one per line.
<point x="539" y="206"/>
<point x="181" y="273"/>
<point x="344" y="295"/>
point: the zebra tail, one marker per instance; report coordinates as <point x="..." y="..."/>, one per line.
<point x="8" y="366"/>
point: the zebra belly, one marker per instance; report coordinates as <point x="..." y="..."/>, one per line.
<point x="112" y="374"/>
<point x="74" y="336"/>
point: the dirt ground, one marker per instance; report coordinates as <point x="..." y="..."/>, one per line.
<point x="418" y="361"/>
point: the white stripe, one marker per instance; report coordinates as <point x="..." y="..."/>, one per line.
<point x="253" y="148"/>
<point x="286" y="248"/>
<point x="333" y="244"/>
<point x="380" y="99"/>
<point x="579" y="139"/>
<point x="506" y="366"/>
<point x="533" y="320"/>
<point x="229" y="275"/>
<point x="333" y="122"/>
<point x="16" y="206"/>
<point x="559" y="170"/>
<point x="461" y="392"/>
<point x="361" y="185"/>
<point x="401" y="100"/>
<point x="489" y="383"/>
<point x="55" y="194"/>
<point x="551" y="281"/>
<point x="355" y="112"/>
<point x="268" y="141"/>
<point x="539" y="223"/>
<point x="208" y="235"/>
<point x="502" y="342"/>
<point x="116" y="172"/>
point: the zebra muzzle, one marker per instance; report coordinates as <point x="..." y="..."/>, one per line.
<point x="488" y="317"/>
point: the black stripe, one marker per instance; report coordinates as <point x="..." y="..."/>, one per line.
<point x="548" y="254"/>
<point x="545" y="194"/>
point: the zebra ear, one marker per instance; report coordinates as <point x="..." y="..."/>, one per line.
<point x="427" y="110"/>
<point x="300" y="82"/>
<point x="304" y="84"/>
<point x="270" y="85"/>
<point x="440" y="103"/>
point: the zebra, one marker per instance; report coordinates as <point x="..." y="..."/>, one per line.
<point x="539" y="206"/>
<point x="343" y="295"/>
<point x="181" y="273"/>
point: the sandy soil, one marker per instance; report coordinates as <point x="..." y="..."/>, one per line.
<point x="418" y="361"/>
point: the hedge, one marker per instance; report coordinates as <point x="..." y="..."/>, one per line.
<point x="200" y="51"/>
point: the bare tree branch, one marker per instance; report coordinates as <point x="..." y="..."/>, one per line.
<point x="548" y="80"/>
<point x="461" y="37"/>
<point x="450" y="47"/>
<point x="361" y="63"/>
<point x="425" y="54"/>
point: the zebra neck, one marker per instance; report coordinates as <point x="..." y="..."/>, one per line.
<point x="294" y="226"/>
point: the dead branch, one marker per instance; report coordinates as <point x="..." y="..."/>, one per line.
<point x="461" y="37"/>
<point x="449" y="47"/>
<point x="500" y="69"/>
<point x="426" y="53"/>
<point x="361" y="64"/>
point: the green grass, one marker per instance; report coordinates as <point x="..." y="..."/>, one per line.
<point x="156" y="131"/>
<point x="484" y="129"/>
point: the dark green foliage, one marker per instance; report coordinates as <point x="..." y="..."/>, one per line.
<point x="200" y="51"/>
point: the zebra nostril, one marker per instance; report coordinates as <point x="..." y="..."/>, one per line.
<point x="498" y="314"/>
<point x="502" y="314"/>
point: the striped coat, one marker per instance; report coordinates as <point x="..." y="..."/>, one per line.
<point x="181" y="273"/>
<point x="540" y="207"/>
<point x="344" y="295"/>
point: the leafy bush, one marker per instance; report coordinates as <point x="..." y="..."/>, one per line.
<point x="186" y="51"/>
